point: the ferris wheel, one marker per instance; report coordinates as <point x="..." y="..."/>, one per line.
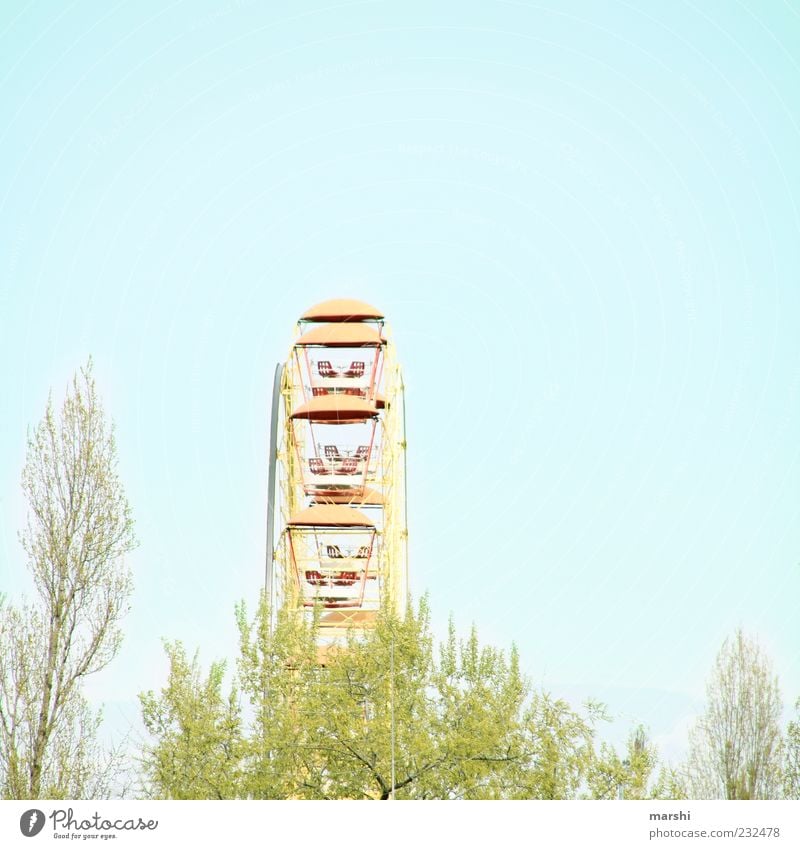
<point x="336" y="516"/>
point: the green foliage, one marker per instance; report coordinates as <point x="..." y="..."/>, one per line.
<point x="278" y="672"/>
<point x="559" y="748"/>
<point x="612" y="777"/>
<point x="199" y="730"/>
<point x="384" y="715"/>
<point x="670" y="784"/>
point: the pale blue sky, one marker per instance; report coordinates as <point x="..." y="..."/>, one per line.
<point x="582" y="222"/>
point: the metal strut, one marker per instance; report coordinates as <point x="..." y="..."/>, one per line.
<point x="273" y="458"/>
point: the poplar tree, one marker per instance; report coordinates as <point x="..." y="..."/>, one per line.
<point x="736" y="747"/>
<point x="78" y="530"/>
<point x="791" y="769"/>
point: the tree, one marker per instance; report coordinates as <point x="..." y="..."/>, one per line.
<point x="559" y="747"/>
<point x="381" y="715"/>
<point x="736" y="746"/>
<point x="612" y="777"/>
<point x="791" y="769"/>
<point x="279" y="677"/>
<point x="199" y="729"/>
<point x="670" y="784"/>
<point x="78" y="530"/>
